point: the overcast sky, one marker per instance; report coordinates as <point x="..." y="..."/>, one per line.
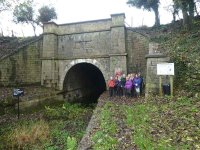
<point x="83" y="10"/>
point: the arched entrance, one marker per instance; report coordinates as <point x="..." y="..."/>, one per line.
<point x="83" y="82"/>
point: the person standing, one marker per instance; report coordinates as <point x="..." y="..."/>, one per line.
<point x="122" y="84"/>
<point x="133" y="87"/>
<point x="141" y="84"/>
<point x="116" y="88"/>
<point x="111" y="85"/>
<point x="128" y="86"/>
<point x="137" y="84"/>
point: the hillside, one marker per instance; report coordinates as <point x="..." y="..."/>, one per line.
<point x="183" y="47"/>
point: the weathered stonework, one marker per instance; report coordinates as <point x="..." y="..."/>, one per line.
<point x="104" y="46"/>
<point x="137" y="46"/>
<point x="152" y="79"/>
<point x="23" y="67"/>
<point x="100" y="43"/>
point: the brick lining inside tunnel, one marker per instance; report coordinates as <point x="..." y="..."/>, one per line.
<point x="84" y="82"/>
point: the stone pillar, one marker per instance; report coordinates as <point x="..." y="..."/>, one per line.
<point x="118" y="50"/>
<point x="49" y="76"/>
<point x="152" y="79"/>
<point x="50" y="41"/>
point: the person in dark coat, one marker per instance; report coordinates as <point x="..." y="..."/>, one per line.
<point x="137" y="84"/>
<point x="122" y="83"/>
<point x="141" y="84"/>
<point x="117" y="86"/>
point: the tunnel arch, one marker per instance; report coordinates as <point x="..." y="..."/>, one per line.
<point x="83" y="82"/>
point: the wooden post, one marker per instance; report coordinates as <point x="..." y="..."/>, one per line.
<point x="171" y="86"/>
<point x="160" y="86"/>
<point x="18" y="106"/>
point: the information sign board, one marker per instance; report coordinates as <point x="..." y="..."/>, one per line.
<point x="18" y="92"/>
<point x="165" y="69"/>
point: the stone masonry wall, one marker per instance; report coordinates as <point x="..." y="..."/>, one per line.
<point x="91" y="40"/>
<point x="78" y="27"/>
<point x="61" y="67"/>
<point x="24" y="66"/>
<point x="105" y="41"/>
<point x="84" y="45"/>
<point x="137" y="47"/>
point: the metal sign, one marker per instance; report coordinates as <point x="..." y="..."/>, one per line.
<point x="18" y="92"/>
<point x="165" y="69"/>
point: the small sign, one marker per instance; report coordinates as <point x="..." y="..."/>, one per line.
<point x="18" y="92"/>
<point x="165" y="69"/>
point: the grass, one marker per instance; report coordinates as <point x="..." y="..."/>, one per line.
<point x="137" y="119"/>
<point x="26" y="135"/>
<point x="54" y="127"/>
<point x="157" y="123"/>
<point x="104" y="137"/>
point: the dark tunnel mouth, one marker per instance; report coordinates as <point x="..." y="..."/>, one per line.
<point x="84" y="82"/>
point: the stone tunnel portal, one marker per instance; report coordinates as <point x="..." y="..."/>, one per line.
<point x="84" y="83"/>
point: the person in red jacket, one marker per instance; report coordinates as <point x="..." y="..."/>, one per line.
<point x="111" y="85"/>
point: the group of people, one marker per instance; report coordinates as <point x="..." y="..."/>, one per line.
<point x="130" y="86"/>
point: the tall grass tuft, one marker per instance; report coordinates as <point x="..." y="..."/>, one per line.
<point x="22" y="137"/>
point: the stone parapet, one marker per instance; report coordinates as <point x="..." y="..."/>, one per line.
<point x="78" y="27"/>
<point x="116" y="20"/>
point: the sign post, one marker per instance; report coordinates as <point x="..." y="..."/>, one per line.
<point x="18" y="107"/>
<point x="171" y="85"/>
<point x="17" y="93"/>
<point x="160" y="86"/>
<point x="165" y="69"/>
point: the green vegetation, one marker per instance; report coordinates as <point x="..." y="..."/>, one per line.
<point x="183" y="47"/>
<point x="136" y="118"/>
<point x="24" y="13"/>
<point x="165" y="123"/>
<point x="147" y="5"/>
<point x="53" y="127"/>
<point x="158" y="123"/>
<point x="188" y="8"/>
<point x="104" y="136"/>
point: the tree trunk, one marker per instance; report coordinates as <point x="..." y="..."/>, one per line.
<point x="186" y="19"/>
<point x="191" y="8"/>
<point x="157" y="17"/>
<point x="174" y="16"/>
<point x="186" y="22"/>
<point x="33" y="28"/>
<point x="1" y="32"/>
